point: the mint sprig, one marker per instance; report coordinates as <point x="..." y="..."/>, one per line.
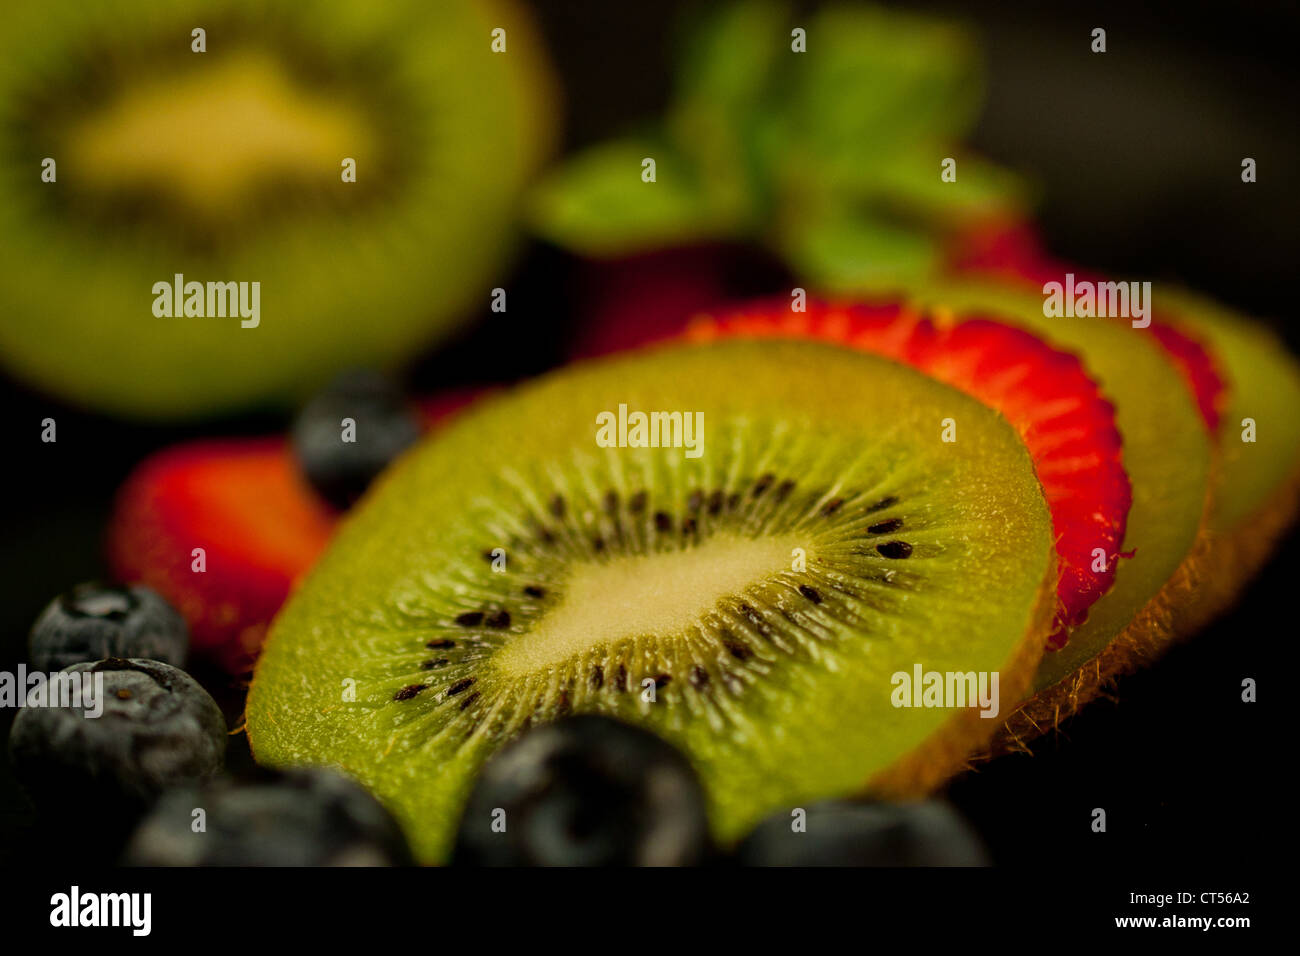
<point x="830" y="157"/>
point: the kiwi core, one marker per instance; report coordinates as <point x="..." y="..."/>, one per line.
<point x="630" y="595"/>
<point x="210" y="138"/>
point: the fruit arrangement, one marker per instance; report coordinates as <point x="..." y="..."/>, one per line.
<point x="972" y="509"/>
<point x="744" y="581"/>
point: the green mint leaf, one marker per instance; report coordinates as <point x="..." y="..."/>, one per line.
<point x="597" y="204"/>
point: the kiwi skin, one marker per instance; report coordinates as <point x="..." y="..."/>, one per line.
<point x="1202" y="589"/>
<point x="1159" y="624"/>
<point x="1240" y="529"/>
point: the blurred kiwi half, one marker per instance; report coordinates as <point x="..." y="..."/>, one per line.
<point x="227" y="165"/>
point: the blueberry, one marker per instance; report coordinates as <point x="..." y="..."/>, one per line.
<point x="157" y="729"/>
<point x="586" y="791"/>
<point x="95" y="621"/>
<point x="865" y="834"/>
<point x="310" y="817"/>
<point x="385" y="425"/>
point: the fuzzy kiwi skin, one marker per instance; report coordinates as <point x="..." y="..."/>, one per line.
<point x="344" y="280"/>
<point x="290" y="720"/>
<point x="1253" y="504"/>
<point x="1161" y="621"/>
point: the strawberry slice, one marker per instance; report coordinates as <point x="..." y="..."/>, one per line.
<point x="1012" y="252"/>
<point x="259" y="526"/>
<point x="1067" y="425"/>
<point x="258" y="523"/>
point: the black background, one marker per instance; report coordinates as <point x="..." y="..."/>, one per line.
<point x="1138" y="153"/>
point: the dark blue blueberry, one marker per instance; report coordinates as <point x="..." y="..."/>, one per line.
<point x="586" y="791"/>
<point x="156" y="728"/>
<point x="386" y="425"/>
<point x="309" y="817"/>
<point x="865" y="834"/>
<point x="95" y="621"/>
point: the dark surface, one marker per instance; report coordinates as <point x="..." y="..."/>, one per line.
<point x="1138" y="155"/>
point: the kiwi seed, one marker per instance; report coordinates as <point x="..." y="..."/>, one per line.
<point x="895" y="549"/>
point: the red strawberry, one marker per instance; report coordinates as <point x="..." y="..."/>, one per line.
<point x="241" y="501"/>
<point x="1067" y="425"/>
<point x="244" y="502"/>
<point x="1012" y="251"/>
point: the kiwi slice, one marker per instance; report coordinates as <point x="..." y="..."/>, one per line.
<point x="752" y="605"/>
<point x="1167" y="456"/>
<point x="1256" y="483"/>
<point x="227" y="166"/>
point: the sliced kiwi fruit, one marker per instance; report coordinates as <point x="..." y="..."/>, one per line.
<point x="752" y="605"/>
<point x="1256" y="483"/>
<point x="227" y="166"/>
<point x="1167" y="455"/>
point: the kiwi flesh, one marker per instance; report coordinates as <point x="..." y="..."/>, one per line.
<point x="228" y="166"/>
<point x="751" y="605"/>
<point x="1167" y="454"/>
